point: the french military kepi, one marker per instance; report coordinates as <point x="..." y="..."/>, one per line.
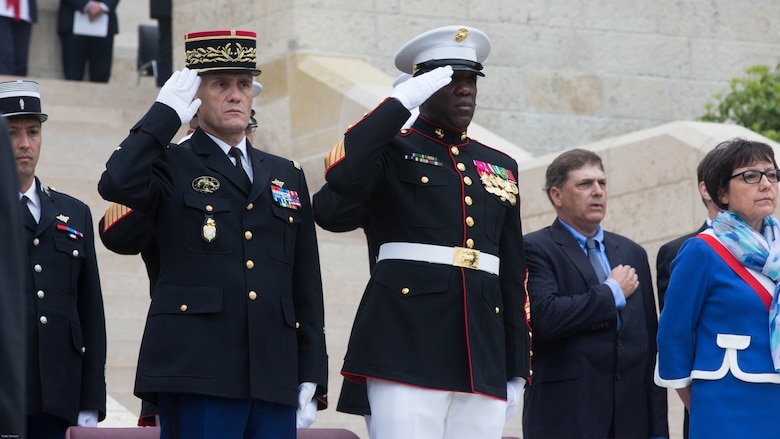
<point x="221" y="51"/>
<point x="462" y="47"/>
<point x="21" y="99"/>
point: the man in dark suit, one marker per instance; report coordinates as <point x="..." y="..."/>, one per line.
<point x="91" y="45"/>
<point x="16" y="20"/>
<point x="234" y="342"/>
<point x="162" y="10"/>
<point x="594" y="322"/>
<point x="66" y="333"/>
<point x="12" y="294"/>
<point x="668" y="251"/>
<point x="440" y="337"/>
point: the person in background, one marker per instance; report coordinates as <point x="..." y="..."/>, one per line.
<point x="66" y="328"/>
<point x="16" y="20"/>
<point x="235" y="340"/>
<point x="162" y="11"/>
<point x="668" y="251"/>
<point x="593" y="317"/>
<point x="12" y="298"/>
<point x="718" y="332"/>
<point x="440" y="337"/>
<point x="86" y="29"/>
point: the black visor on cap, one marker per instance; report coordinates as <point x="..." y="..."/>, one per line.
<point x="457" y="64"/>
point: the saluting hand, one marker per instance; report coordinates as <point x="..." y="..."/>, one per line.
<point x="626" y="277"/>
<point x="416" y="90"/>
<point x="178" y="92"/>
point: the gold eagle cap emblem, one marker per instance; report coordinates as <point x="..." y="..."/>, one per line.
<point x="206" y="184"/>
<point x="462" y="34"/>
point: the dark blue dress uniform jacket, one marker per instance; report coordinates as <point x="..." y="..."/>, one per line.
<point x="457" y="329"/>
<point x="240" y="316"/>
<point x="66" y="333"/>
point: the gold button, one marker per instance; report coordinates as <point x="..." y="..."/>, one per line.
<point x="461" y="167"/>
<point x="36" y="242"/>
<point x="247" y="235"/>
<point x="468" y="200"/>
<point x="252" y="295"/>
<point x="38" y="268"/>
<point x="40" y="294"/>
<point x="424" y="179"/>
<point x="470" y="243"/>
<point x="498" y="310"/>
<point x="250" y="206"/>
<point x="83" y="349"/>
<point x="183" y="308"/>
<point x="455" y="150"/>
<point x="470" y="221"/>
<point x="467" y="180"/>
<point x="297" y="325"/>
<point x="44" y="320"/>
<point x="530" y="373"/>
<point x="75" y="253"/>
<point x="250" y="264"/>
<point x="531" y="353"/>
<point x="209" y="208"/>
<point x="405" y="291"/>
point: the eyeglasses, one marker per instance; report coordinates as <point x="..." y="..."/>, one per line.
<point x="752" y="176"/>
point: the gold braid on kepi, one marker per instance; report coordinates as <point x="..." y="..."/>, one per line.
<point x="221" y="50"/>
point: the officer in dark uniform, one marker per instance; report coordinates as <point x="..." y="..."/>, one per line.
<point x="441" y="336"/>
<point x="234" y="340"/>
<point x="66" y="336"/>
<point x="129" y="232"/>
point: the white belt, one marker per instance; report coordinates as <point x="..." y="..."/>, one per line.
<point x="439" y="254"/>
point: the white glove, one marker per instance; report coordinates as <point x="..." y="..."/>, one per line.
<point x="514" y="393"/>
<point x="414" y="91"/>
<point x="307" y="406"/>
<point x="178" y="92"/>
<point x="87" y="418"/>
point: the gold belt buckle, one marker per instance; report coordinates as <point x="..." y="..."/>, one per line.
<point x="466" y="257"/>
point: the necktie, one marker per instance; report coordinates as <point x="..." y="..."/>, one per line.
<point x="593" y="255"/>
<point x="14" y="4"/>
<point x="27" y="216"/>
<point x="236" y="153"/>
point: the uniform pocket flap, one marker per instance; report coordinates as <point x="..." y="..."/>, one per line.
<point x="732" y="341"/>
<point x="413" y="278"/>
<point x="207" y="203"/>
<point x="186" y="299"/>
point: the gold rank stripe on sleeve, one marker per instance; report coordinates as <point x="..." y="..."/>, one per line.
<point x="335" y="155"/>
<point x="114" y="213"/>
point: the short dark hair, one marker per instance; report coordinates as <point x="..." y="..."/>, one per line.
<point x="728" y="156"/>
<point x="558" y="172"/>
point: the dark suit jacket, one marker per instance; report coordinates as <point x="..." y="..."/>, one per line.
<point x="66" y="322"/>
<point x="585" y="370"/>
<point x="663" y="262"/>
<point x="12" y="293"/>
<point x="237" y="316"/>
<point x="160" y="8"/>
<point x="68" y="7"/>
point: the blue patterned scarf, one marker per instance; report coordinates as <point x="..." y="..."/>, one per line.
<point x="760" y="252"/>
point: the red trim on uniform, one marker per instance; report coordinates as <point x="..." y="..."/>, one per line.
<point x="459" y="145"/>
<point x="106" y="227"/>
<point x="219" y="34"/>
<point x="349" y="128"/>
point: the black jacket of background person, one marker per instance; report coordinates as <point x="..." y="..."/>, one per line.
<point x="583" y="365"/>
<point x="66" y="330"/>
<point x="240" y="316"/>
<point x="68" y="7"/>
<point x="455" y="329"/>
<point x="12" y="293"/>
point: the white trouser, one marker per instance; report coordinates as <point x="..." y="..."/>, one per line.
<point x="400" y="411"/>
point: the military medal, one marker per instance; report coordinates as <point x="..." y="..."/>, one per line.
<point x="285" y="198"/>
<point x="422" y="158"/>
<point x="498" y="181"/>
<point x="206" y="184"/>
<point x="209" y="229"/>
<point x="72" y="233"/>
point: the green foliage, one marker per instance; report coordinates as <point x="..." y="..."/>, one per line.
<point x="754" y="102"/>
